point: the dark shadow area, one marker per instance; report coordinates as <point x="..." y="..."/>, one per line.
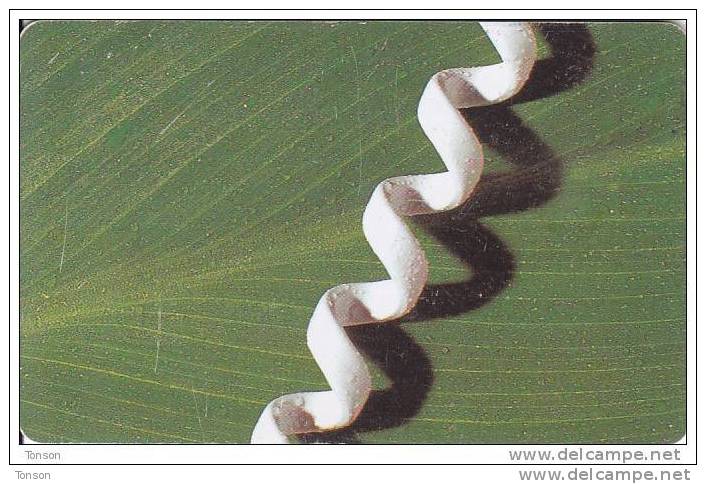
<point x="569" y="63"/>
<point x="536" y="178"/>
<point x="479" y="249"/>
<point x="407" y="366"/>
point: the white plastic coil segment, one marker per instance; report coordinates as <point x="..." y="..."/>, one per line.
<point x="361" y="303"/>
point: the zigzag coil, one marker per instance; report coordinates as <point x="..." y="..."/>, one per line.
<point x="370" y="302"/>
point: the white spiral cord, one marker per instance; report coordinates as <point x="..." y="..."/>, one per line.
<point x="372" y="302"/>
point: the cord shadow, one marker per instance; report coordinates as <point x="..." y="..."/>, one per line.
<point x="407" y="367"/>
<point x="572" y="52"/>
<point x="535" y="178"/>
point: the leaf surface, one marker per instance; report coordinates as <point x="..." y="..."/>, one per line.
<point x="190" y="189"/>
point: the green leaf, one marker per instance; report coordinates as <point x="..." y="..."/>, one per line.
<point x="190" y="189"/>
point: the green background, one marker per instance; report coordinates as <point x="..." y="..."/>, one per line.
<point x="190" y="189"/>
